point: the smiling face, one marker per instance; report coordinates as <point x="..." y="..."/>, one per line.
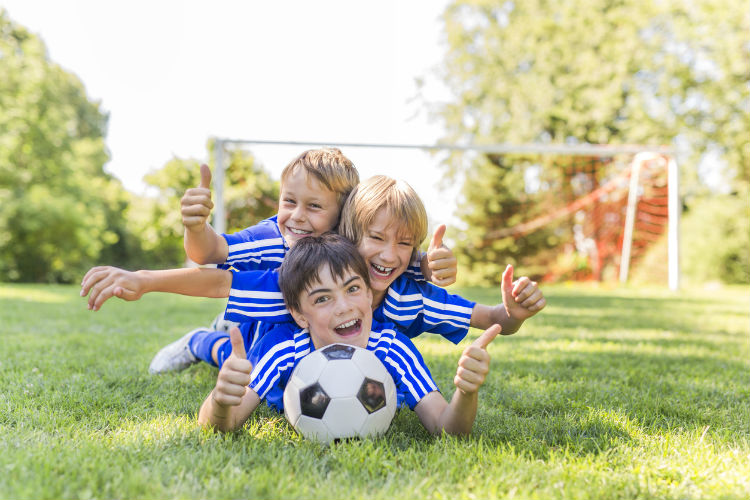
<point x="387" y="249"/>
<point x="306" y="207"/>
<point x="336" y="309"/>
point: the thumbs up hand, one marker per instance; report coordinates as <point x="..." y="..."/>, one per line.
<point x="196" y="203"/>
<point x="441" y="263"/>
<point x="234" y="376"/>
<point x="522" y="298"/>
<point x="474" y="363"/>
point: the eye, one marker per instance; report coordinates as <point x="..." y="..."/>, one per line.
<point x="315" y="205"/>
<point x="376" y="237"/>
<point x="320" y="299"/>
<point x="289" y="201"/>
<point x="405" y="243"/>
<point x="354" y="288"/>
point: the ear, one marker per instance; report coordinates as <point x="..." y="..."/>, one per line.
<point x="299" y="318"/>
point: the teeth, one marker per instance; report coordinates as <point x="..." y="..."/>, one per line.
<point x="298" y="231"/>
<point x="383" y="269"/>
<point x="347" y="324"/>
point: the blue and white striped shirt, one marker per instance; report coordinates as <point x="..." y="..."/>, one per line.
<point x="262" y="247"/>
<point x="414" y="307"/>
<point x="276" y="354"/>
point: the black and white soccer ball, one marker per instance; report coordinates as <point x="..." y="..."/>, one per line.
<point x="340" y="391"/>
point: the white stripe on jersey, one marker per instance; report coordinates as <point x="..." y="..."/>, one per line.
<point x="249" y="245"/>
<point x="448" y="307"/>
<point x="255" y="294"/>
<point x="405" y="298"/>
<point x="413" y="364"/>
<point x="254" y="314"/>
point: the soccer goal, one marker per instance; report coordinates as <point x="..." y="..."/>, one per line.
<point x="606" y="205"/>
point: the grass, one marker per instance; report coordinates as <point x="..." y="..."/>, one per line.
<point x="622" y="393"/>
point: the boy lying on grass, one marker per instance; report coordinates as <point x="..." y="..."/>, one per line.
<point x="326" y="287"/>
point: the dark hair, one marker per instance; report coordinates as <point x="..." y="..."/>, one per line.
<point x="302" y="265"/>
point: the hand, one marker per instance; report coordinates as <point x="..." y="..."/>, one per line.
<point x="440" y="260"/>
<point x="196" y="203"/>
<point x="106" y="281"/>
<point x="523" y="298"/>
<point x="234" y="376"/>
<point x="475" y="362"/>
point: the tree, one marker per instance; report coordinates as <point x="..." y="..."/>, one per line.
<point x="250" y="195"/>
<point x="60" y="211"/>
<point x="588" y="71"/>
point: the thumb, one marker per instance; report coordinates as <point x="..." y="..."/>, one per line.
<point x="507" y="285"/>
<point x="238" y="343"/>
<point x="437" y="237"/>
<point x="205" y="176"/>
<point x="488" y="336"/>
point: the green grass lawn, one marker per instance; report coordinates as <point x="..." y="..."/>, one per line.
<point x="625" y="393"/>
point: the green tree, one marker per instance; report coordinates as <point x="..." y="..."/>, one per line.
<point x="587" y="71"/>
<point x="250" y="195"/>
<point x="60" y="212"/>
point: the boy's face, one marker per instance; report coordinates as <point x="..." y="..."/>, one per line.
<point x="336" y="310"/>
<point x="387" y="250"/>
<point x="306" y="207"/>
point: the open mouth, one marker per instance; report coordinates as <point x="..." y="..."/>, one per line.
<point x="299" y="232"/>
<point x="382" y="271"/>
<point x="351" y="327"/>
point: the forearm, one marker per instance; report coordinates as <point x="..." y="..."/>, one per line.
<point x="196" y="282"/>
<point x="215" y="415"/>
<point x="483" y="317"/>
<point x="459" y="415"/>
<point x="205" y="246"/>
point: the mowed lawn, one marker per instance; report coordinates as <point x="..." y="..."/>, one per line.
<point x="608" y="393"/>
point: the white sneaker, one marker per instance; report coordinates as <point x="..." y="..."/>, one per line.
<point x="220" y="324"/>
<point x="176" y="356"/>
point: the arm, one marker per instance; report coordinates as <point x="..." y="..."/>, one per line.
<point x="457" y="417"/>
<point x="438" y="265"/>
<point x="104" y="282"/>
<point x="202" y="244"/>
<point x="231" y="402"/>
<point x="521" y="300"/>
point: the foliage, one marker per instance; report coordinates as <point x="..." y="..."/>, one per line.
<point x="627" y="393"/>
<point x="250" y="195"/>
<point x="60" y="211"/>
<point x="724" y="219"/>
<point x="589" y="71"/>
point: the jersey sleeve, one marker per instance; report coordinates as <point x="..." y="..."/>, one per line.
<point x="414" y="270"/>
<point x="416" y="307"/>
<point x="256" y="296"/>
<point x="409" y="371"/>
<point x="273" y="360"/>
<point x="258" y="247"/>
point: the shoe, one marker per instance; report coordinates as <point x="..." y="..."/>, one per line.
<point x="176" y="356"/>
<point x="220" y="324"/>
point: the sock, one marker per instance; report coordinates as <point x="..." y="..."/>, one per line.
<point x="203" y="341"/>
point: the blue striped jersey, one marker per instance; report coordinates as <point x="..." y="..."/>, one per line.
<point x="262" y="247"/>
<point x="414" y="307"/>
<point x="277" y="353"/>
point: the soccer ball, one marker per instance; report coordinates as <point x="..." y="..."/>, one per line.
<point x="340" y="391"/>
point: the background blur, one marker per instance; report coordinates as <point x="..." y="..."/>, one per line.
<point x="106" y="111"/>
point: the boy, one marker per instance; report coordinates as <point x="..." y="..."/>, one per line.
<point x="313" y="187"/>
<point x="325" y="284"/>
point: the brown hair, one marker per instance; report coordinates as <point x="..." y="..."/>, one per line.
<point x="328" y="166"/>
<point x="398" y="198"/>
<point x="302" y="265"/>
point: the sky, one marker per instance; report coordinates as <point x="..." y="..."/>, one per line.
<point x="171" y="74"/>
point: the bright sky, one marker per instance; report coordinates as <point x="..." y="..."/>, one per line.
<point x="173" y="73"/>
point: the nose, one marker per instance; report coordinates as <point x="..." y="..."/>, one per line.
<point x="388" y="253"/>
<point x="343" y="306"/>
<point x="299" y="213"/>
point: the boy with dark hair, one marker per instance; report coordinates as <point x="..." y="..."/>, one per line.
<point x="326" y="286"/>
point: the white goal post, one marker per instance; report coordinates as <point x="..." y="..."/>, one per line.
<point x="641" y="154"/>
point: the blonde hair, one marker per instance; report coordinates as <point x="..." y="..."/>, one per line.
<point x="330" y="167"/>
<point x="398" y="198"/>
